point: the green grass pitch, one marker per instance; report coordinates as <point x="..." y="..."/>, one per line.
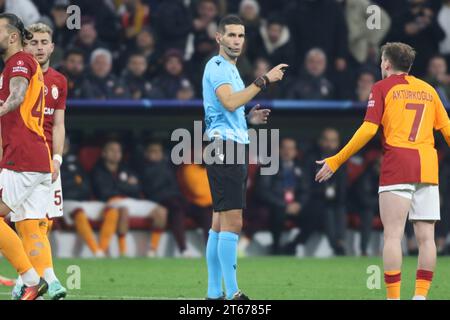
<point x="260" y="277"/>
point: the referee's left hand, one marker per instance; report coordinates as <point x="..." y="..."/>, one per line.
<point x="258" y="116"/>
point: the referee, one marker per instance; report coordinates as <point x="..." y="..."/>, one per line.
<point x="224" y="99"/>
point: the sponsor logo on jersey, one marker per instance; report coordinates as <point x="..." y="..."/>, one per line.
<point x="20" y="69"/>
<point x="49" y="111"/>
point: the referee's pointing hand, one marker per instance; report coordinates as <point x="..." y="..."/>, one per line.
<point x="277" y="73"/>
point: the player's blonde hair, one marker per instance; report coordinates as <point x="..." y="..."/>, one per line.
<point x="40" y="28"/>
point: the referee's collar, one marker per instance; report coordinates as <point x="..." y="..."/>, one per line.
<point x="224" y="59"/>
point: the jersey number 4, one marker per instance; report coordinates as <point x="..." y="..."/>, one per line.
<point x="38" y="108"/>
<point x="419" y="108"/>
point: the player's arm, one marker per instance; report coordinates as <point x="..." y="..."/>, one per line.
<point x="233" y="100"/>
<point x="17" y="87"/>
<point x="369" y="128"/>
<point x="446" y="133"/>
<point x="59" y="130"/>
<point x="1" y="144"/>
<point x="59" y="135"/>
<point x="363" y="135"/>
<point x="442" y="121"/>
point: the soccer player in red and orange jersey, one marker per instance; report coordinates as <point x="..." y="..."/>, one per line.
<point x="26" y="165"/>
<point x="55" y="93"/>
<point x="407" y="109"/>
<point x="41" y="46"/>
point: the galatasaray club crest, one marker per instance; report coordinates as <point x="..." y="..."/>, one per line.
<point x="55" y="92"/>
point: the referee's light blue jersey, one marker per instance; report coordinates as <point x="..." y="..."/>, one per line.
<point x="219" y="121"/>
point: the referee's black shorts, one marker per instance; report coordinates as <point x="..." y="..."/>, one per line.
<point x="228" y="179"/>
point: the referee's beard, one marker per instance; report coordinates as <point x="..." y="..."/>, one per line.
<point x="230" y="54"/>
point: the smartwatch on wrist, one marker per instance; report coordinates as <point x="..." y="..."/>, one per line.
<point x="260" y="82"/>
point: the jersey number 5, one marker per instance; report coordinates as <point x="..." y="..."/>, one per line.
<point x="58" y="198"/>
<point x="419" y="108"/>
<point x="38" y="108"/>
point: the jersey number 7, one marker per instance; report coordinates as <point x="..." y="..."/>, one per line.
<point x="419" y="108"/>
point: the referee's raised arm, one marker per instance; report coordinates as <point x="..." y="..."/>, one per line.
<point x="233" y="100"/>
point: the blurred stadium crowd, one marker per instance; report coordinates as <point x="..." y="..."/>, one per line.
<point x="157" y="48"/>
<point x="177" y="198"/>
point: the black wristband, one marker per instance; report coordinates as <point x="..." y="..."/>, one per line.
<point x="266" y="79"/>
<point x="260" y="82"/>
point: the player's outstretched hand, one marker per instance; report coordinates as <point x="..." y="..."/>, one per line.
<point x="276" y="73"/>
<point x="258" y="116"/>
<point x="324" y="173"/>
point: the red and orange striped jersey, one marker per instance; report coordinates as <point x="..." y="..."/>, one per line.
<point x="408" y="109"/>
<point x="24" y="144"/>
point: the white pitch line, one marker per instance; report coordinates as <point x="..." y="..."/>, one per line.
<point x="98" y="297"/>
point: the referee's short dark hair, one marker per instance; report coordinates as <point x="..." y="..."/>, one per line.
<point x="229" y="19"/>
